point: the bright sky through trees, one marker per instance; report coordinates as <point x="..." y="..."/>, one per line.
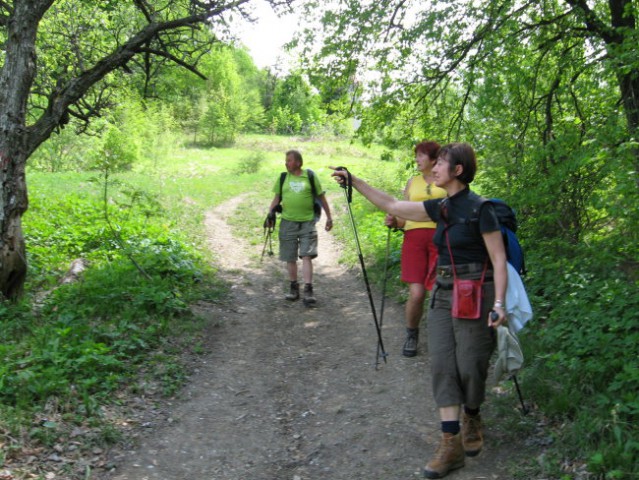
<point x="267" y="36"/>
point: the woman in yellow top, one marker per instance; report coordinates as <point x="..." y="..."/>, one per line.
<point x="419" y="254"/>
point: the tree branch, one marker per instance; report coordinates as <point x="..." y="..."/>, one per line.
<point x="594" y="24"/>
<point x="74" y="89"/>
<point x="144" y="8"/>
<point x="391" y="21"/>
<point x="173" y="58"/>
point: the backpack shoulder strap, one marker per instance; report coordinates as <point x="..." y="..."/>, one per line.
<point x="478" y="203"/>
<point x="282" y="180"/>
<point x="311" y="179"/>
<point x="481" y="201"/>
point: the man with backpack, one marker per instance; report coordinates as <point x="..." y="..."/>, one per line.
<point x="298" y="197"/>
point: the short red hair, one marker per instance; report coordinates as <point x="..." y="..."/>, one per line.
<point x="429" y="148"/>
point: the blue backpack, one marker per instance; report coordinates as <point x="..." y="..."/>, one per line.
<point x="508" y="221"/>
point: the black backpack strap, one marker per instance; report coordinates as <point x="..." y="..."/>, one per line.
<point x="474" y="216"/>
<point x="311" y="178"/>
<point x="278" y="207"/>
<point x="482" y="201"/>
<point x="282" y="180"/>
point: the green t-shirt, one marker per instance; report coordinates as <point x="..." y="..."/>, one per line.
<point x="297" y="196"/>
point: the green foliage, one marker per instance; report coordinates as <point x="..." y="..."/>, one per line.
<point x="228" y="103"/>
<point x="295" y="108"/>
<point x="88" y="334"/>
<point x="250" y="164"/>
<point x="585" y="336"/>
<point x="90" y="337"/>
<point x="224" y="118"/>
<point x="117" y="154"/>
<point x="64" y="151"/>
<point x="135" y="132"/>
<point x="285" y="121"/>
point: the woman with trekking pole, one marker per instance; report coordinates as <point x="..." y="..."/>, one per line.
<point x="419" y="253"/>
<point x="467" y="302"/>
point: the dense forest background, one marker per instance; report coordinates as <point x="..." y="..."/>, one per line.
<point x="546" y="93"/>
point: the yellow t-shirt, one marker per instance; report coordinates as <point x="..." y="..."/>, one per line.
<point x="418" y="191"/>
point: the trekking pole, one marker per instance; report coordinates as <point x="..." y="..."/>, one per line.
<point x="348" y="196"/>
<point x="381" y="310"/>
<point x="524" y="409"/>
<point x="267" y="239"/>
<point x="269" y="227"/>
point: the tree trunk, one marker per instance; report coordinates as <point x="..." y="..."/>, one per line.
<point x="16" y="78"/>
<point x="13" y="203"/>
<point x="629" y="86"/>
<point x="620" y="39"/>
<point x="624" y="23"/>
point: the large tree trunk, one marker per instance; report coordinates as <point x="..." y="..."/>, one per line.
<point x="16" y="78"/>
<point x="13" y="203"/>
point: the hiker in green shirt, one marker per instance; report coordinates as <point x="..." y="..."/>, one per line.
<point x="297" y="198"/>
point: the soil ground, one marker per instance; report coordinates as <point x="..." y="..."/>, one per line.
<point x="286" y="392"/>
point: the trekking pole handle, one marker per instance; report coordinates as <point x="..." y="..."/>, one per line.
<point x="346" y="183"/>
<point x="493" y="316"/>
<point x="343" y="182"/>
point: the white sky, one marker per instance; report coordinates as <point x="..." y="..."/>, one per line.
<point x="266" y="37"/>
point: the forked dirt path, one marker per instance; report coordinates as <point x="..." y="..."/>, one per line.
<point x="290" y="393"/>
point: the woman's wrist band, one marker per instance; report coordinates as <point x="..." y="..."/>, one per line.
<point x="499" y="303"/>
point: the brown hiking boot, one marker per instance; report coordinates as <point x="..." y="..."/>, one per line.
<point x="294" y="292"/>
<point x="309" y="298"/>
<point x="472" y="437"/>
<point x="449" y="456"/>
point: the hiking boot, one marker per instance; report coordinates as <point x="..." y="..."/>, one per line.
<point x="410" y="345"/>
<point x="309" y="298"/>
<point x="472" y="437"/>
<point x="294" y="292"/>
<point x="449" y="456"/>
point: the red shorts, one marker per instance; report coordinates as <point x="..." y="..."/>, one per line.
<point x="419" y="257"/>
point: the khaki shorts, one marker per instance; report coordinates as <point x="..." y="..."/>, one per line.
<point x="297" y="239"/>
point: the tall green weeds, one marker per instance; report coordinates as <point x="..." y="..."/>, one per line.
<point x="583" y="350"/>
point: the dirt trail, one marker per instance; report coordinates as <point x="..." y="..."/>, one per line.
<point x="290" y="393"/>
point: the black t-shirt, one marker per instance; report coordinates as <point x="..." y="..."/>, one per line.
<point x="465" y="221"/>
